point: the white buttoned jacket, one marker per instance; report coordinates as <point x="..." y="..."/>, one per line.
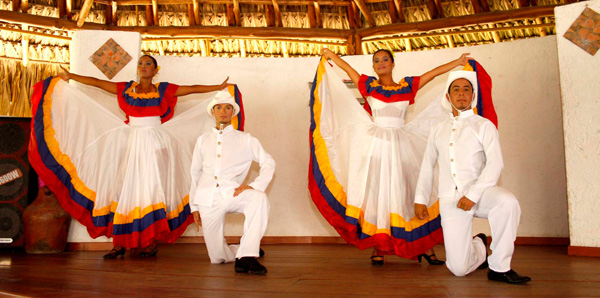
<point x="468" y="152"/>
<point x="221" y="161"/>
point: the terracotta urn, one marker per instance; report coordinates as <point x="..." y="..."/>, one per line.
<point x="46" y="224"/>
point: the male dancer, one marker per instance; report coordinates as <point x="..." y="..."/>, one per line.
<point x="220" y="164"/>
<point x="467" y="149"/>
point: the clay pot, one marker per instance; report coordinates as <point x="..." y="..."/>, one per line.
<point x="46" y="224"/>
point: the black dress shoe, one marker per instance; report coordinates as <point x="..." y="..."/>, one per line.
<point x="249" y="265"/>
<point x="483" y="238"/>
<point x="509" y="276"/>
<point x="261" y="253"/>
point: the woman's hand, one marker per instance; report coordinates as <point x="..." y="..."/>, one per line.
<point x="327" y="53"/>
<point x="463" y="59"/>
<point x="225" y="84"/>
<point x="64" y="74"/>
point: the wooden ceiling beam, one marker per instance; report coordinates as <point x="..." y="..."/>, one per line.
<point x="318" y="14"/>
<point x="365" y="11"/>
<point x="16" y="5"/>
<point x="298" y="33"/>
<point x="477" y="8"/>
<point x="399" y="10"/>
<point x="236" y="12"/>
<point x="269" y="15"/>
<point x="350" y="15"/>
<point x="454" y="22"/>
<point x="149" y="17"/>
<point x="191" y="17"/>
<point x="113" y="8"/>
<point x="155" y="12"/>
<point x="196" y="11"/>
<point x="24" y="5"/>
<point x="254" y="2"/>
<point x="107" y="14"/>
<point x="434" y="11"/>
<point x="438" y="6"/>
<point x="85" y="10"/>
<point x="278" y="20"/>
<point x="62" y="8"/>
<point x="312" y="18"/>
<point x="230" y="15"/>
<point x="392" y="12"/>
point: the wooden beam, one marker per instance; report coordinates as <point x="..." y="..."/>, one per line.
<point x="253" y="2"/>
<point x="16" y="5"/>
<point x="356" y="15"/>
<point x="196" y="7"/>
<point x="433" y="9"/>
<point x="85" y="10"/>
<point x="365" y="11"/>
<point x="312" y="19"/>
<point x="236" y="12"/>
<point x="115" y="20"/>
<point x="318" y="14"/>
<point x="108" y="14"/>
<point x="69" y="8"/>
<point x="278" y="20"/>
<point x="459" y="32"/>
<point x="392" y="12"/>
<point x="155" y="12"/>
<point x="24" y="5"/>
<point x="34" y="33"/>
<point x="149" y="17"/>
<point x="288" y="40"/>
<point x="62" y="8"/>
<point x="350" y="16"/>
<point x="269" y="15"/>
<point x="440" y="11"/>
<point x="485" y="6"/>
<point x="230" y="15"/>
<point x="462" y="21"/>
<point x="399" y="10"/>
<point x="191" y="18"/>
<point x="523" y="3"/>
<point x="477" y="8"/>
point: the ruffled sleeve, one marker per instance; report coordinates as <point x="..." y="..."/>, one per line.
<point x="169" y="100"/>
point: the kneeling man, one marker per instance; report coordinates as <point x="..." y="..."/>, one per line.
<point x="221" y="161"/>
<point x="467" y="149"/>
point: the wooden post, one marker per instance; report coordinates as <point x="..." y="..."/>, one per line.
<point x="115" y="20"/>
<point x="149" y="17"/>
<point x="191" y="18"/>
<point x="440" y="11"/>
<point x="236" y="12"/>
<point x="24" y="5"/>
<point x="269" y="15"/>
<point x="196" y="11"/>
<point x="85" y="10"/>
<point x="318" y="14"/>
<point x="230" y="15"/>
<point x="392" y="12"/>
<point x="69" y="8"/>
<point x="312" y="18"/>
<point x="434" y="11"/>
<point x="16" y="5"/>
<point x="356" y="15"/>
<point x="62" y="8"/>
<point x="477" y="5"/>
<point x="400" y="11"/>
<point x="351" y="20"/>
<point x="155" y="12"/>
<point x="107" y="14"/>
<point x="278" y="21"/>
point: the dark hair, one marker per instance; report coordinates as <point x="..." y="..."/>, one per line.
<point x="151" y="58"/>
<point x="387" y="51"/>
<point x="450" y="86"/>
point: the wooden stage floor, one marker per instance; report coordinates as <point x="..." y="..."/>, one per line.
<point x="295" y="270"/>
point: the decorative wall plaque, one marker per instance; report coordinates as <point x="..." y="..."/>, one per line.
<point x="110" y="58"/>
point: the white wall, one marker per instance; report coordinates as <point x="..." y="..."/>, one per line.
<point x="276" y="96"/>
<point x="580" y="88"/>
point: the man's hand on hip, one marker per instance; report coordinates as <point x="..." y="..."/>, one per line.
<point x="197" y="220"/>
<point x="240" y="189"/>
<point x="465" y="204"/>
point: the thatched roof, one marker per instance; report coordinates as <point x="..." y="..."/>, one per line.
<point x="249" y="28"/>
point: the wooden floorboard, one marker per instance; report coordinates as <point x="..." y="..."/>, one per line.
<point x="295" y="270"/>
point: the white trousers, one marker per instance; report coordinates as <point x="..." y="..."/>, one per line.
<point x="255" y="207"/>
<point x="464" y="253"/>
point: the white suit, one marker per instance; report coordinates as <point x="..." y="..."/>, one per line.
<point x="467" y="149"/>
<point x="221" y="161"/>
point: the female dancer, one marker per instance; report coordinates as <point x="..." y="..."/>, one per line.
<point x="378" y="161"/>
<point x="129" y="182"/>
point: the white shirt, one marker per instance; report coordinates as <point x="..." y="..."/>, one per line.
<point x="469" y="156"/>
<point x="221" y="162"/>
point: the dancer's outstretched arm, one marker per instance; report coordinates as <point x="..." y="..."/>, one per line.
<point x="353" y="74"/>
<point x="102" y="84"/>
<point x="185" y="90"/>
<point x="442" y="69"/>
